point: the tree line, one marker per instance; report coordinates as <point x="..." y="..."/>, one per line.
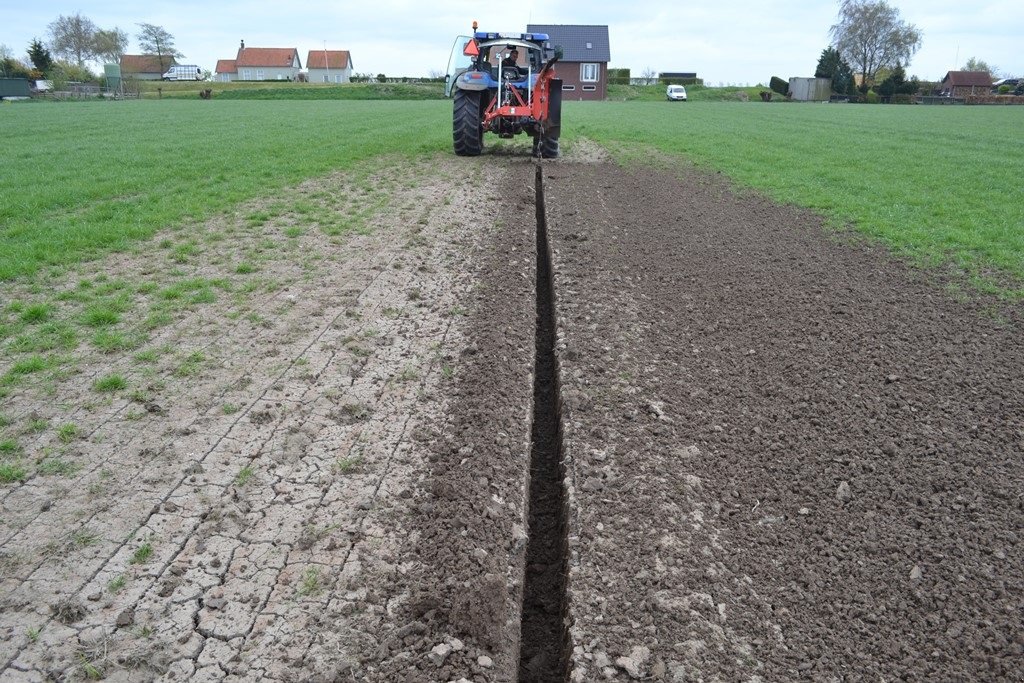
<point x="74" y="41"/>
<point x="870" y="49"/>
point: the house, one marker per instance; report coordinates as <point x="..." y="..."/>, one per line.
<point x="261" y="64"/>
<point x="226" y="71"/>
<point x="145" y="67"/>
<point x="585" y="56"/>
<point x="964" y="83"/>
<point x="329" y="66"/>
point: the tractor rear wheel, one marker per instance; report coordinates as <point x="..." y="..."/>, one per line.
<point x="467" y="124"/>
<point x="548" y="147"/>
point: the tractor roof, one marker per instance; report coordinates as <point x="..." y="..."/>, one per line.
<point x="510" y="42"/>
<point x="529" y="37"/>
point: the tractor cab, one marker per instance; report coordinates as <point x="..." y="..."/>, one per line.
<point x="484" y="59"/>
<point x="504" y="83"/>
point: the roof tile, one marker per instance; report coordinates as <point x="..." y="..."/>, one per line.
<point x="145" y="64"/>
<point x="575" y="39"/>
<point x="966" y="78"/>
<point x="328" y="59"/>
<point x="266" y="56"/>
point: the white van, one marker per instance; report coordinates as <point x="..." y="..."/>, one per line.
<point x="183" y="72"/>
<point x="676" y="93"/>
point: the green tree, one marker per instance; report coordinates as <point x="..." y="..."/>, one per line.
<point x="155" y="40"/>
<point x="896" y="83"/>
<point x="870" y="35"/>
<point x="73" y="38"/>
<point x="980" y="65"/>
<point x="110" y="45"/>
<point x="832" y="65"/>
<point x="40" y="56"/>
<point x="11" y="67"/>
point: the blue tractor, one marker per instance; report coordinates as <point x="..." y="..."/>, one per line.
<point x="504" y="83"/>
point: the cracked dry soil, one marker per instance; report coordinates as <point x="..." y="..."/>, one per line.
<point x="787" y="456"/>
<point x="269" y="514"/>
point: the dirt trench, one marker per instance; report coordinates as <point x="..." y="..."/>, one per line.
<point x="572" y="421"/>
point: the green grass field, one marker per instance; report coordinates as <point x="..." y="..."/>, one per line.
<point x="935" y="183"/>
<point x="79" y="179"/>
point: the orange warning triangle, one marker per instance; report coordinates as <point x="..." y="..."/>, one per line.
<point x="471" y="49"/>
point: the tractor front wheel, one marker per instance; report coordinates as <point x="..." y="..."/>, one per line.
<point x="467" y="124"/>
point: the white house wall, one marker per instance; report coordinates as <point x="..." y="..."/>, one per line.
<point x="317" y="75"/>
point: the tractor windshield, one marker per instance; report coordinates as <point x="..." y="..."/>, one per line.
<point x="496" y="51"/>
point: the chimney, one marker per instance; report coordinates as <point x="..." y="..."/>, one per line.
<point x="243" y="45"/>
<point x="239" y="55"/>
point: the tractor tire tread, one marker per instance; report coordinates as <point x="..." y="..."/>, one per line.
<point x="467" y="124"/>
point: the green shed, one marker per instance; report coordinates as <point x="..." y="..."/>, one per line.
<point x="13" y="87"/>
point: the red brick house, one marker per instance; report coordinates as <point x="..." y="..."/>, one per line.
<point x="964" y="83"/>
<point x="585" y="55"/>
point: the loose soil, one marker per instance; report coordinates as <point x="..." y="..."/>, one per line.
<point x="790" y="455"/>
<point x="786" y="455"/>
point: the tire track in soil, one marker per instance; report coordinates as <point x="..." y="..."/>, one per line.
<point x="790" y="456"/>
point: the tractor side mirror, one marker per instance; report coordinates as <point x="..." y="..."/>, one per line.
<point x="558" y="52"/>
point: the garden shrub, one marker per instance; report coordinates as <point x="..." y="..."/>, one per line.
<point x="778" y="85"/>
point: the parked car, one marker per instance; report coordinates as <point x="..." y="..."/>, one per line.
<point x="676" y="93"/>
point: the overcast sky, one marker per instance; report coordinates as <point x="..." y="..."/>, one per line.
<point x="737" y="42"/>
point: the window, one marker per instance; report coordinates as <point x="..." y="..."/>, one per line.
<point x="589" y="73"/>
<point x="246" y="74"/>
<point x="260" y="74"/>
<point x="327" y="78"/>
<point x="590" y="46"/>
<point x="568" y="87"/>
<point x="590" y="88"/>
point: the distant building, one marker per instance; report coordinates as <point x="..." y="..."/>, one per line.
<point x="261" y="64"/>
<point x="678" y="77"/>
<point x="145" y="67"/>
<point x="964" y="83"/>
<point x="226" y="71"/>
<point x="585" y="55"/>
<point x="329" y="66"/>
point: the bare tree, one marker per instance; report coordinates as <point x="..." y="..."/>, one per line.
<point x="980" y="65"/>
<point x="110" y="45"/>
<point x="155" y="40"/>
<point x="73" y="38"/>
<point x="649" y="76"/>
<point x="870" y="35"/>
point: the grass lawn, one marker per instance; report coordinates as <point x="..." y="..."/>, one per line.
<point x="935" y="183"/>
<point x="80" y="179"/>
